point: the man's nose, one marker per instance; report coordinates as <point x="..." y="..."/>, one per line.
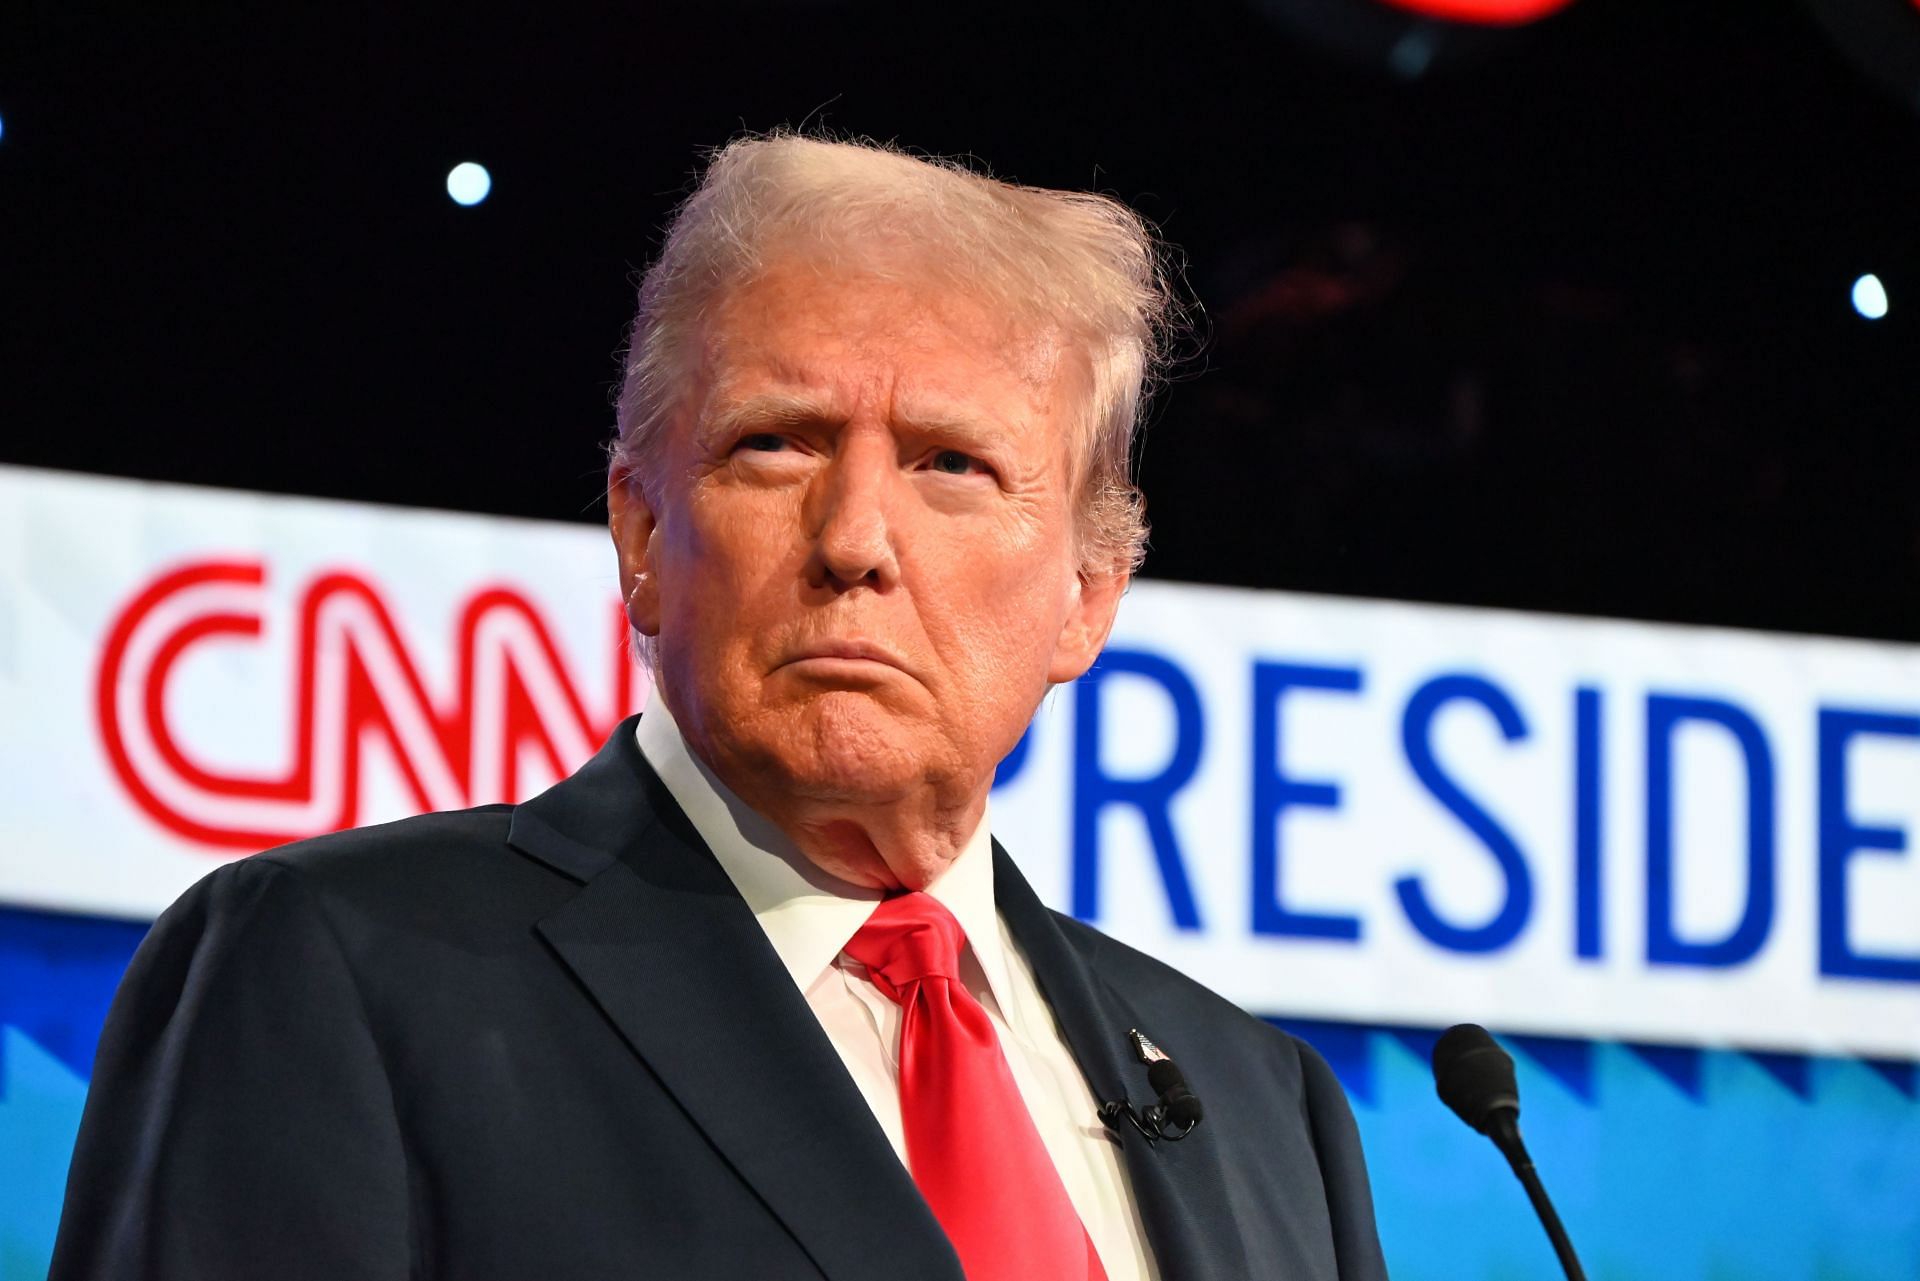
<point x="849" y="502"/>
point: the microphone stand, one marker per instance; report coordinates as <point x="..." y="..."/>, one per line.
<point x="1503" y="1127"/>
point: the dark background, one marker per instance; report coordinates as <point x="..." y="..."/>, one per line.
<point x="1560" y="322"/>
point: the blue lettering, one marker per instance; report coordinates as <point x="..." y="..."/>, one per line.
<point x="1587" y="942"/>
<point x="1416" y="727"/>
<point x="1094" y="789"/>
<point x="1665" y="713"/>
<point x="1274" y="793"/>
<point x="1841" y="838"/>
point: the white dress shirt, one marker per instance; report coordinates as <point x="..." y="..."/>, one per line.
<point x="809" y="916"/>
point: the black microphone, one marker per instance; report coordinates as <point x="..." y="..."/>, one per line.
<point x="1176" y="1111"/>
<point x="1178" y="1105"/>
<point x="1474" y="1077"/>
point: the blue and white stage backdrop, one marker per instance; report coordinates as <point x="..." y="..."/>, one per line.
<point x="1675" y="868"/>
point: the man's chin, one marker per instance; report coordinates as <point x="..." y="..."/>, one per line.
<point x="854" y="746"/>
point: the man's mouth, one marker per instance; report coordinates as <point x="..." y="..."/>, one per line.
<point x="848" y="653"/>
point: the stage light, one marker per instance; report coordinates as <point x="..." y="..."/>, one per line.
<point x="1492" y="13"/>
<point x="1870" y="297"/>
<point x="469" y="183"/>
<point x="3" y="127"/>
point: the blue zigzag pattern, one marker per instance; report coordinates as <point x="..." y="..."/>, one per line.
<point x="1350" y="1049"/>
<point x="1665" y="1161"/>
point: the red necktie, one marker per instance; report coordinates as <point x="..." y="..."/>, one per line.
<point x="971" y="1143"/>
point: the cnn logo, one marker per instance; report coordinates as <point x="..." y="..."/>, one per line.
<point x="353" y="682"/>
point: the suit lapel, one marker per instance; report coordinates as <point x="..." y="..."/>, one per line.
<point x="1180" y="1188"/>
<point x="674" y="959"/>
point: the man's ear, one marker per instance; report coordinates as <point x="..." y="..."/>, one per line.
<point x="1089" y="620"/>
<point x="630" y="519"/>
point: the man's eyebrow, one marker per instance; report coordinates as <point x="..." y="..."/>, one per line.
<point x="769" y="409"/>
<point x="783" y="409"/>
<point x="935" y="422"/>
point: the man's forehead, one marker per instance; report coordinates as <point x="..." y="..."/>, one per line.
<point x="775" y="381"/>
<point x="798" y="313"/>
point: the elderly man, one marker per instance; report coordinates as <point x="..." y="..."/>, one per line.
<point x="754" y="993"/>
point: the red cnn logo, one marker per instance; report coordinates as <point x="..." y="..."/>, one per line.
<point x="353" y="682"/>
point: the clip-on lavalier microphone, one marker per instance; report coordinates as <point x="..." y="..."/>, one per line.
<point x="1174" y="1114"/>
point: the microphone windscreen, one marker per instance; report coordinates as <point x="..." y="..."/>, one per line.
<point x="1163" y="1075"/>
<point x="1170" y="1083"/>
<point x="1473" y="1075"/>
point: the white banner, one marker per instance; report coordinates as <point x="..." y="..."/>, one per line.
<point x="188" y="675"/>
<point x="1326" y="808"/>
<point x="1420" y="815"/>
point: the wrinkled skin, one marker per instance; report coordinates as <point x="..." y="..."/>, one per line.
<point x="856" y="547"/>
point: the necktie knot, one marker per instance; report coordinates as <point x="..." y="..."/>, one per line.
<point x="908" y="938"/>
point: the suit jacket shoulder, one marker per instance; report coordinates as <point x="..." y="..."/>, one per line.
<point x="450" y="876"/>
<point x="239" y="1100"/>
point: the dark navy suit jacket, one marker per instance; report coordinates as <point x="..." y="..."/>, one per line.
<point x="550" y="1041"/>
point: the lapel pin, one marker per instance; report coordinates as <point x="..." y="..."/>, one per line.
<point x="1146" y="1049"/>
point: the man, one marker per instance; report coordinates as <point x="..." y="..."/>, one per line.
<point x="754" y="994"/>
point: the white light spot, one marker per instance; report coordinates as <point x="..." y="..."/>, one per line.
<point x="469" y="183"/>
<point x="1870" y="297"/>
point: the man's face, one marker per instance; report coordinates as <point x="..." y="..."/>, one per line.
<point x="859" y="558"/>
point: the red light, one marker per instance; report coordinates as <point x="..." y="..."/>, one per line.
<point x="1490" y="13"/>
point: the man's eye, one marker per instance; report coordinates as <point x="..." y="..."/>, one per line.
<point x="954" y="463"/>
<point x="763" y="442"/>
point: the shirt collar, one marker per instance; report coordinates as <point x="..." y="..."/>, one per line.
<point x="808" y="914"/>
